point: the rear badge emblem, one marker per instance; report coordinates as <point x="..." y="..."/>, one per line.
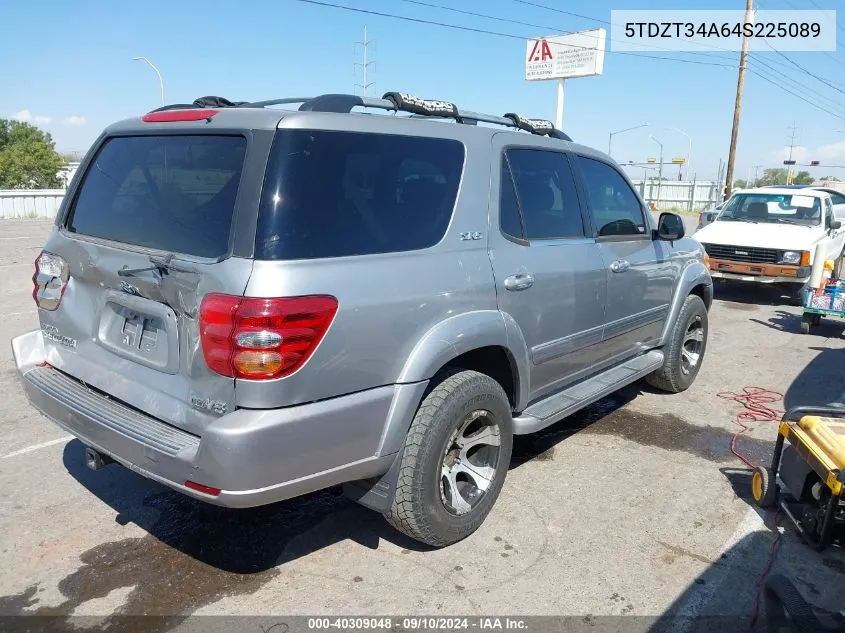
<point x="207" y="404"/>
<point x="51" y="333"/>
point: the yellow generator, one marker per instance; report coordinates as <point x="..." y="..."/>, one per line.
<point x="809" y="460"/>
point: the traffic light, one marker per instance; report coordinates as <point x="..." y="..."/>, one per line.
<point x="814" y="163"/>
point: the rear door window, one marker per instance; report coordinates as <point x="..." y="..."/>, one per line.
<point x="169" y="193"/>
<point x="545" y="188"/>
<point x="335" y="194"/>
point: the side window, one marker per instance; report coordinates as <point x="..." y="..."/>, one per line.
<point x="545" y="189"/>
<point x="338" y="194"/>
<point x="615" y="207"/>
<point x="509" y="219"/>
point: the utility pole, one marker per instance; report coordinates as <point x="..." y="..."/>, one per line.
<point x="365" y="66"/>
<point x="756" y="168"/>
<point x="740" y="84"/>
<point x="791" y="147"/>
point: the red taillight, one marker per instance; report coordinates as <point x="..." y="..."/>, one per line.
<point x="260" y="339"/>
<point x="173" y="116"/>
<point x="207" y="490"/>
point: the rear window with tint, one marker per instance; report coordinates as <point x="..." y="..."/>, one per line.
<point x="171" y="193"/>
<point x="333" y="194"/>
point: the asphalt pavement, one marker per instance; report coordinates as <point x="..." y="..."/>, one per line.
<point x="632" y="507"/>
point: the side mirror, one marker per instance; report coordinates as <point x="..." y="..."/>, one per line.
<point x="670" y="227"/>
<point x="835" y="225"/>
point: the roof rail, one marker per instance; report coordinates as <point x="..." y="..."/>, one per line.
<point x="391" y="101"/>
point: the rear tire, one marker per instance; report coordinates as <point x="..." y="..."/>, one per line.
<point x="684" y="352"/>
<point x="455" y="459"/>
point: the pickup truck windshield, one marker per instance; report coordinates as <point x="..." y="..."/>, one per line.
<point x="773" y="209"/>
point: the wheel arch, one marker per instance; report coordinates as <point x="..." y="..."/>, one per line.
<point x="695" y="279"/>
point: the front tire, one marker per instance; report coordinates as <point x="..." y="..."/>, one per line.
<point x="685" y="349"/>
<point x="455" y="459"/>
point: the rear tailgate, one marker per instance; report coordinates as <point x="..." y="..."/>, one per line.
<point x="145" y="238"/>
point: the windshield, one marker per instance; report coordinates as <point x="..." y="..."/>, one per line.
<point x="773" y="208"/>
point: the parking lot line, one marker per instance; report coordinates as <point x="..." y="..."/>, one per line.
<point x="697" y="602"/>
<point x="35" y="447"/>
<point x="22" y="237"/>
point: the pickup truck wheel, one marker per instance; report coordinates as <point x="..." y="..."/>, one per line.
<point x="684" y="351"/>
<point x="455" y="459"/>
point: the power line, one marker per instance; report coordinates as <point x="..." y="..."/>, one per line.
<point x="556" y="10"/>
<point x="498" y="33"/>
<point x="522" y="38"/>
<point x="802" y="69"/>
<point x="545" y="26"/>
<point x="796" y="83"/>
<point x="795" y="94"/>
<point x="600" y="21"/>
<point x="838" y="26"/>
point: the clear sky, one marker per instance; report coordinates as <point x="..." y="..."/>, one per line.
<point x="67" y="67"/>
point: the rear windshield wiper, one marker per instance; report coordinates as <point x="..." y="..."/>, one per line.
<point x="162" y="265"/>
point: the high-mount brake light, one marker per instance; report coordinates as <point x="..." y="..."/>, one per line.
<point x="262" y="339"/>
<point x="174" y="116"/>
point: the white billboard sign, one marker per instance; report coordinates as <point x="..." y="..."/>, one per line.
<point x="563" y="56"/>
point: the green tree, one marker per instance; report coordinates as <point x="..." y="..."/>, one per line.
<point x="830" y="179"/>
<point x="803" y="178"/>
<point x="28" y="157"/>
<point x="772" y="176"/>
<point x="740" y="184"/>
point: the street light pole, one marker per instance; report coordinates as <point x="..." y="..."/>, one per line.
<point x="689" y="150"/>
<point x="610" y="137"/>
<point x="160" y="80"/>
<point x="660" y="171"/>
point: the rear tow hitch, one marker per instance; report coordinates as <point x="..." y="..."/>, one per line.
<point x="95" y="460"/>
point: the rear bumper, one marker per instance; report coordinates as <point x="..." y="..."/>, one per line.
<point x="254" y="457"/>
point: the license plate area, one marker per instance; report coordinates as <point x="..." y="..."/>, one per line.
<point x="140" y="330"/>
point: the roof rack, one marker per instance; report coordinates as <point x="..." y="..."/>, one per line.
<point x="392" y="101"/>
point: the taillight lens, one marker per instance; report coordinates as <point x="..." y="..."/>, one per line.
<point x="260" y="339"/>
<point x="49" y="280"/>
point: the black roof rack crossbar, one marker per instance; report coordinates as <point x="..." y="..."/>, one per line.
<point x="392" y="101"/>
<point x="272" y="102"/>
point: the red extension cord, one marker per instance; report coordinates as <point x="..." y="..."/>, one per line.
<point x="754" y="401"/>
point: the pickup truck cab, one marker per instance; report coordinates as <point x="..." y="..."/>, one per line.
<point x="769" y="235"/>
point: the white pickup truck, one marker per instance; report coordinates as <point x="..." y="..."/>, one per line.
<point x="769" y="235"/>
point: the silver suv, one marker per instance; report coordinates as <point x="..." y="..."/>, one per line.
<point x="248" y="303"/>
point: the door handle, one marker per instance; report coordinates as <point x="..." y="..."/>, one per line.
<point x="519" y="282"/>
<point x="619" y="266"/>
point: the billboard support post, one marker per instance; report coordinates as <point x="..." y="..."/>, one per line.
<point x="559" y="117"/>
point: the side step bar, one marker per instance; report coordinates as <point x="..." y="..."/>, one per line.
<point x="563" y="403"/>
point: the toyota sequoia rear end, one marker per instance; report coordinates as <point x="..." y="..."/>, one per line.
<point x="198" y="323"/>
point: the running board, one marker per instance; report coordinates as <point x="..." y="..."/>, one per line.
<point x="556" y="407"/>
